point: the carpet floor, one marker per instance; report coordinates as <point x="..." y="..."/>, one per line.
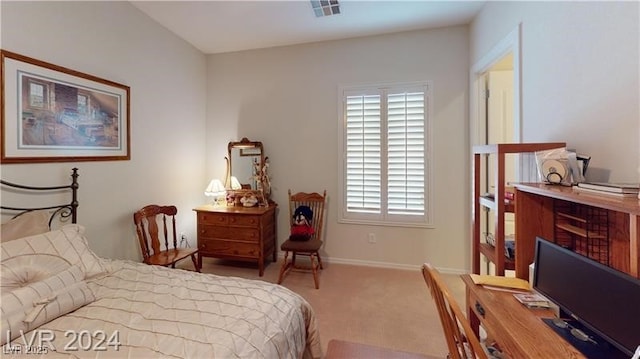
<point x="390" y="308"/>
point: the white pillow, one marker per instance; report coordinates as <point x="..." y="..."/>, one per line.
<point x="22" y="257"/>
<point x="20" y="271"/>
<point x="26" y="224"/>
<point x="31" y="306"/>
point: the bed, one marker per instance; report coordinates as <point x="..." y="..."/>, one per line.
<point x="59" y="299"/>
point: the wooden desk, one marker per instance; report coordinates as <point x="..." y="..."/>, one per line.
<point x="519" y="330"/>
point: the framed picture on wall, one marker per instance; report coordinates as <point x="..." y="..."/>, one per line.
<point x="55" y="114"/>
<point x="250" y="152"/>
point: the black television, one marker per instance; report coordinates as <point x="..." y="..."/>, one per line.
<point x="602" y="299"/>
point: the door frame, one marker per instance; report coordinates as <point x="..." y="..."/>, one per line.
<point x="510" y="44"/>
<point x="478" y="108"/>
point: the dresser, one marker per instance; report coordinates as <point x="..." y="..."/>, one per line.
<point x="237" y="233"/>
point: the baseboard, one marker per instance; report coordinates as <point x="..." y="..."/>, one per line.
<point x="357" y="262"/>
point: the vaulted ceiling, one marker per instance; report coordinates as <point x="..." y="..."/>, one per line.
<point x="226" y="26"/>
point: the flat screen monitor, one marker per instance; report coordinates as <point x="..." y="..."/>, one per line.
<point x="601" y="298"/>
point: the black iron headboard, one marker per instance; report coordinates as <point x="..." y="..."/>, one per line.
<point x="65" y="210"/>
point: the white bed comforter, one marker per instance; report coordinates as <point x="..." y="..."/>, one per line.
<point x="143" y="311"/>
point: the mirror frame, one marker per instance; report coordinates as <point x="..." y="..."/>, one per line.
<point x="246" y="144"/>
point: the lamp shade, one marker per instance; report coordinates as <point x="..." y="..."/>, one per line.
<point x="235" y="184"/>
<point x="215" y="188"/>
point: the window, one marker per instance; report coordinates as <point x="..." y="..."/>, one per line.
<point x="36" y="95"/>
<point x="83" y="104"/>
<point x="385" y="156"/>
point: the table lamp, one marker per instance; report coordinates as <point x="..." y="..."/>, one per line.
<point x="235" y="184"/>
<point x="216" y="190"/>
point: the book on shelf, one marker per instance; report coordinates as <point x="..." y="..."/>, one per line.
<point x="532" y="300"/>
<point x="597" y="192"/>
<point x="611" y="187"/>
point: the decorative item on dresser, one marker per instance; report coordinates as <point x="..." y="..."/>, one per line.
<point x="237" y="232"/>
<point x="216" y="190"/>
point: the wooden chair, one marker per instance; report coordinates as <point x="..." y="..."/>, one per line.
<point x="462" y="344"/>
<point x="310" y="247"/>
<point x="150" y="237"/>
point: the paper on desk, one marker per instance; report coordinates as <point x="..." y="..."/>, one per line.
<point x="498" y="281"/>
<point x="502" y="289"/>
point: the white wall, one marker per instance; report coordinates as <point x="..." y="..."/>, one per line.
<point x="580" y="85"/>
<point x="114" y="41"/>
<point x="580" y="76"/>
<point x="287" y="98"/>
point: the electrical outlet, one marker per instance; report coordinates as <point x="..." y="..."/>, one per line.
<point x="183" y="240"/>
<point x="372" y="238"/>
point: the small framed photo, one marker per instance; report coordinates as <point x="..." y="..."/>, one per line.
<point x="246" y="152"/>
<point x="55" y="114"/>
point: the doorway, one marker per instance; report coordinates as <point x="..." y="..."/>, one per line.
<point x="493" y="69"/>
<point x="499" y="129"/>
<point x="495" y="117"/>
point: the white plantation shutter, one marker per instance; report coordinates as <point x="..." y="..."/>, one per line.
<point x="363" y="153"/>
<point x="385" y="163"/>
<point x="406" y="160"/>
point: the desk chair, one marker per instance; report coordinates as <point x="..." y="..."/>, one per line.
<point x="147" y="221"/>
<point x="462" y="345"/>
<point x="311" y="247"/>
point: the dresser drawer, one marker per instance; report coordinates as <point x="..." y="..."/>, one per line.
<point x="229" y="248"/>
<point x="235" y="233"/>
<point x="228" y="219"/>
<point x="248" y="221"/>
<point x="213" y="218"/>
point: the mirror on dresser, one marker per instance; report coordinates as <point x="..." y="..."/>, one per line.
<point x="247" y="173"/>
<point x="242" y="230"/>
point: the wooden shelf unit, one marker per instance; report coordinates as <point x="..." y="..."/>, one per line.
<point x="498" y="204"/>
<point x="604" y="225"/>
<point x="583" y="229"/>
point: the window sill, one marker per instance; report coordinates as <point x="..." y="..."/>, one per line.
<point x="386" y="224"/>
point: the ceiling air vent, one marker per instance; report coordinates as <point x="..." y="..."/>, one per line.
<point x="325" y="7"/>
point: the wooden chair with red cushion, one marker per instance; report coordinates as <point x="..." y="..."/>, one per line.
<point x="154" y="242"/>
<point x="309" y="248"/>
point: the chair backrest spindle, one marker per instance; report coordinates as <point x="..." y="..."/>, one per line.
<point x="175" y="235"/>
